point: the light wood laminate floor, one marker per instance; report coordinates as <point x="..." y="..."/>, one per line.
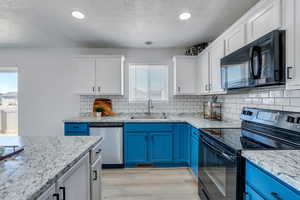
<point x="149" y="184"/>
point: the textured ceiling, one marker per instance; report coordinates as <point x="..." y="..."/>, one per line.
<point x="115" y="23"/>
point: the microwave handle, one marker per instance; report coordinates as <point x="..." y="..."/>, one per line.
<point x="252" y="53"/>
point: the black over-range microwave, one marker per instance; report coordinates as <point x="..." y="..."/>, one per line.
<point x="260" y="63"/>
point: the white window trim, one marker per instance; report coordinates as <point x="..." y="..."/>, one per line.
<point x="133" y="101"/>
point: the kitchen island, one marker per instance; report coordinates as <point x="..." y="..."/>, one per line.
<point x="43" y="162"/>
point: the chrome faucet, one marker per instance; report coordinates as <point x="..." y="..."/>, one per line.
<point x="150" y="106"/>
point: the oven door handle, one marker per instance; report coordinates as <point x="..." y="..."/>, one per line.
<point x="219" y="151"/>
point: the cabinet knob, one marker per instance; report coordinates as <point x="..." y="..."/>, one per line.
<point x="93" y="89"/>
<point x="99" y="89"/>
<point x="178" y="89"/>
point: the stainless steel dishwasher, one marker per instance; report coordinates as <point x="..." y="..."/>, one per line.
<point x="112" y="144"/>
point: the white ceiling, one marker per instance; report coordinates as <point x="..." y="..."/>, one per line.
<point x="115" y="23"/>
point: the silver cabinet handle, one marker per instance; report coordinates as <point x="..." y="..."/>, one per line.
<point x="289" y="72"/>
<point x="99" y="88"/>
<point x="178" y="88"/>
<point x="93" y="88"/>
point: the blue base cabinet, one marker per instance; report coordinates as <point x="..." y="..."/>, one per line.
<point x="77" y="129"/>
<point x="161" y="145"/>
<point x="148" y="143"/>
<point x="260" y="185"/>
<point x="194" y="150"/>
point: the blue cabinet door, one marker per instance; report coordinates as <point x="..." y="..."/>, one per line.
<point x="161" y="147"/>
<point x="136" y="147"/>
<point x="180" y="143"/>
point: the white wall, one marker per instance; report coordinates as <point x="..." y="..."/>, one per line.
<point x="46" y="88"/>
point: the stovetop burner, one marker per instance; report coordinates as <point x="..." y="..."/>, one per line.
<point x="8" y="151"/>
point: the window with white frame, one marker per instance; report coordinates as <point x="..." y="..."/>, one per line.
<point x="148" y="82"/>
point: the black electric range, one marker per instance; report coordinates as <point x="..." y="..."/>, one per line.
<point x="220" y="163"/>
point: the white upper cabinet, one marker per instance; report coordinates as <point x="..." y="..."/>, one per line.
<point x="203" y="64"/>
<point x="267" y="17"/>
<point x="235" y="39"/>
<point x="217" y="52"/>
<point x="84" y="75"/>
<point x="110" y="75"/>
<point x="185" y="75"/>
<point x="292" y="8"/>
<point x="99" y="75"/>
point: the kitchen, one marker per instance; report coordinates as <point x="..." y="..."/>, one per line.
<point x="157" y="88"/>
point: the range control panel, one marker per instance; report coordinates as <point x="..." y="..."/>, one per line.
<point x="276" y="118"/>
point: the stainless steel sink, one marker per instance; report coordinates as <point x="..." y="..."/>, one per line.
<point x="149" y="116"/>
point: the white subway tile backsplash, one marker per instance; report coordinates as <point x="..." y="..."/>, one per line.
<point x="178" y="104"/>
<point x="273" y="98"/>
<point x="268" y="101"/>
<point x="295" y="102"/>
<point x="276" y="93"/>
<point x="282" y="101"/>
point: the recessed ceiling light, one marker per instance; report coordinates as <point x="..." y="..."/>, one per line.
<point x="185" y="16"/>
<point x="148" y="42"/>
<point x="78" y="15"/>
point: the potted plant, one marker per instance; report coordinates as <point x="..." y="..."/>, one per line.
<point x="99" y="111"/>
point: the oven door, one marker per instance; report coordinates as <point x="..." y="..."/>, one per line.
<point x="217" y="172"/>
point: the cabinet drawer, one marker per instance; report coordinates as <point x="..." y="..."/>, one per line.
<point x="149" y="127"/>
<point x="76" y="127"/>
<point x="267" y="186"/>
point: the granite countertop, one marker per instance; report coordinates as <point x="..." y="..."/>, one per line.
<point x="283" y="164"/>
<point x="195" y="120"/>
<point x="44" y="159"/>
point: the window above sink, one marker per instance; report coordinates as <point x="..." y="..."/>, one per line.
<point x="148" y="82"/>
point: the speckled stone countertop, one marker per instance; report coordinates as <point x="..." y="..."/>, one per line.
<point x="195" y="120"/>
<point x="44" y="159"/>
<point x="283" y="164"/>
